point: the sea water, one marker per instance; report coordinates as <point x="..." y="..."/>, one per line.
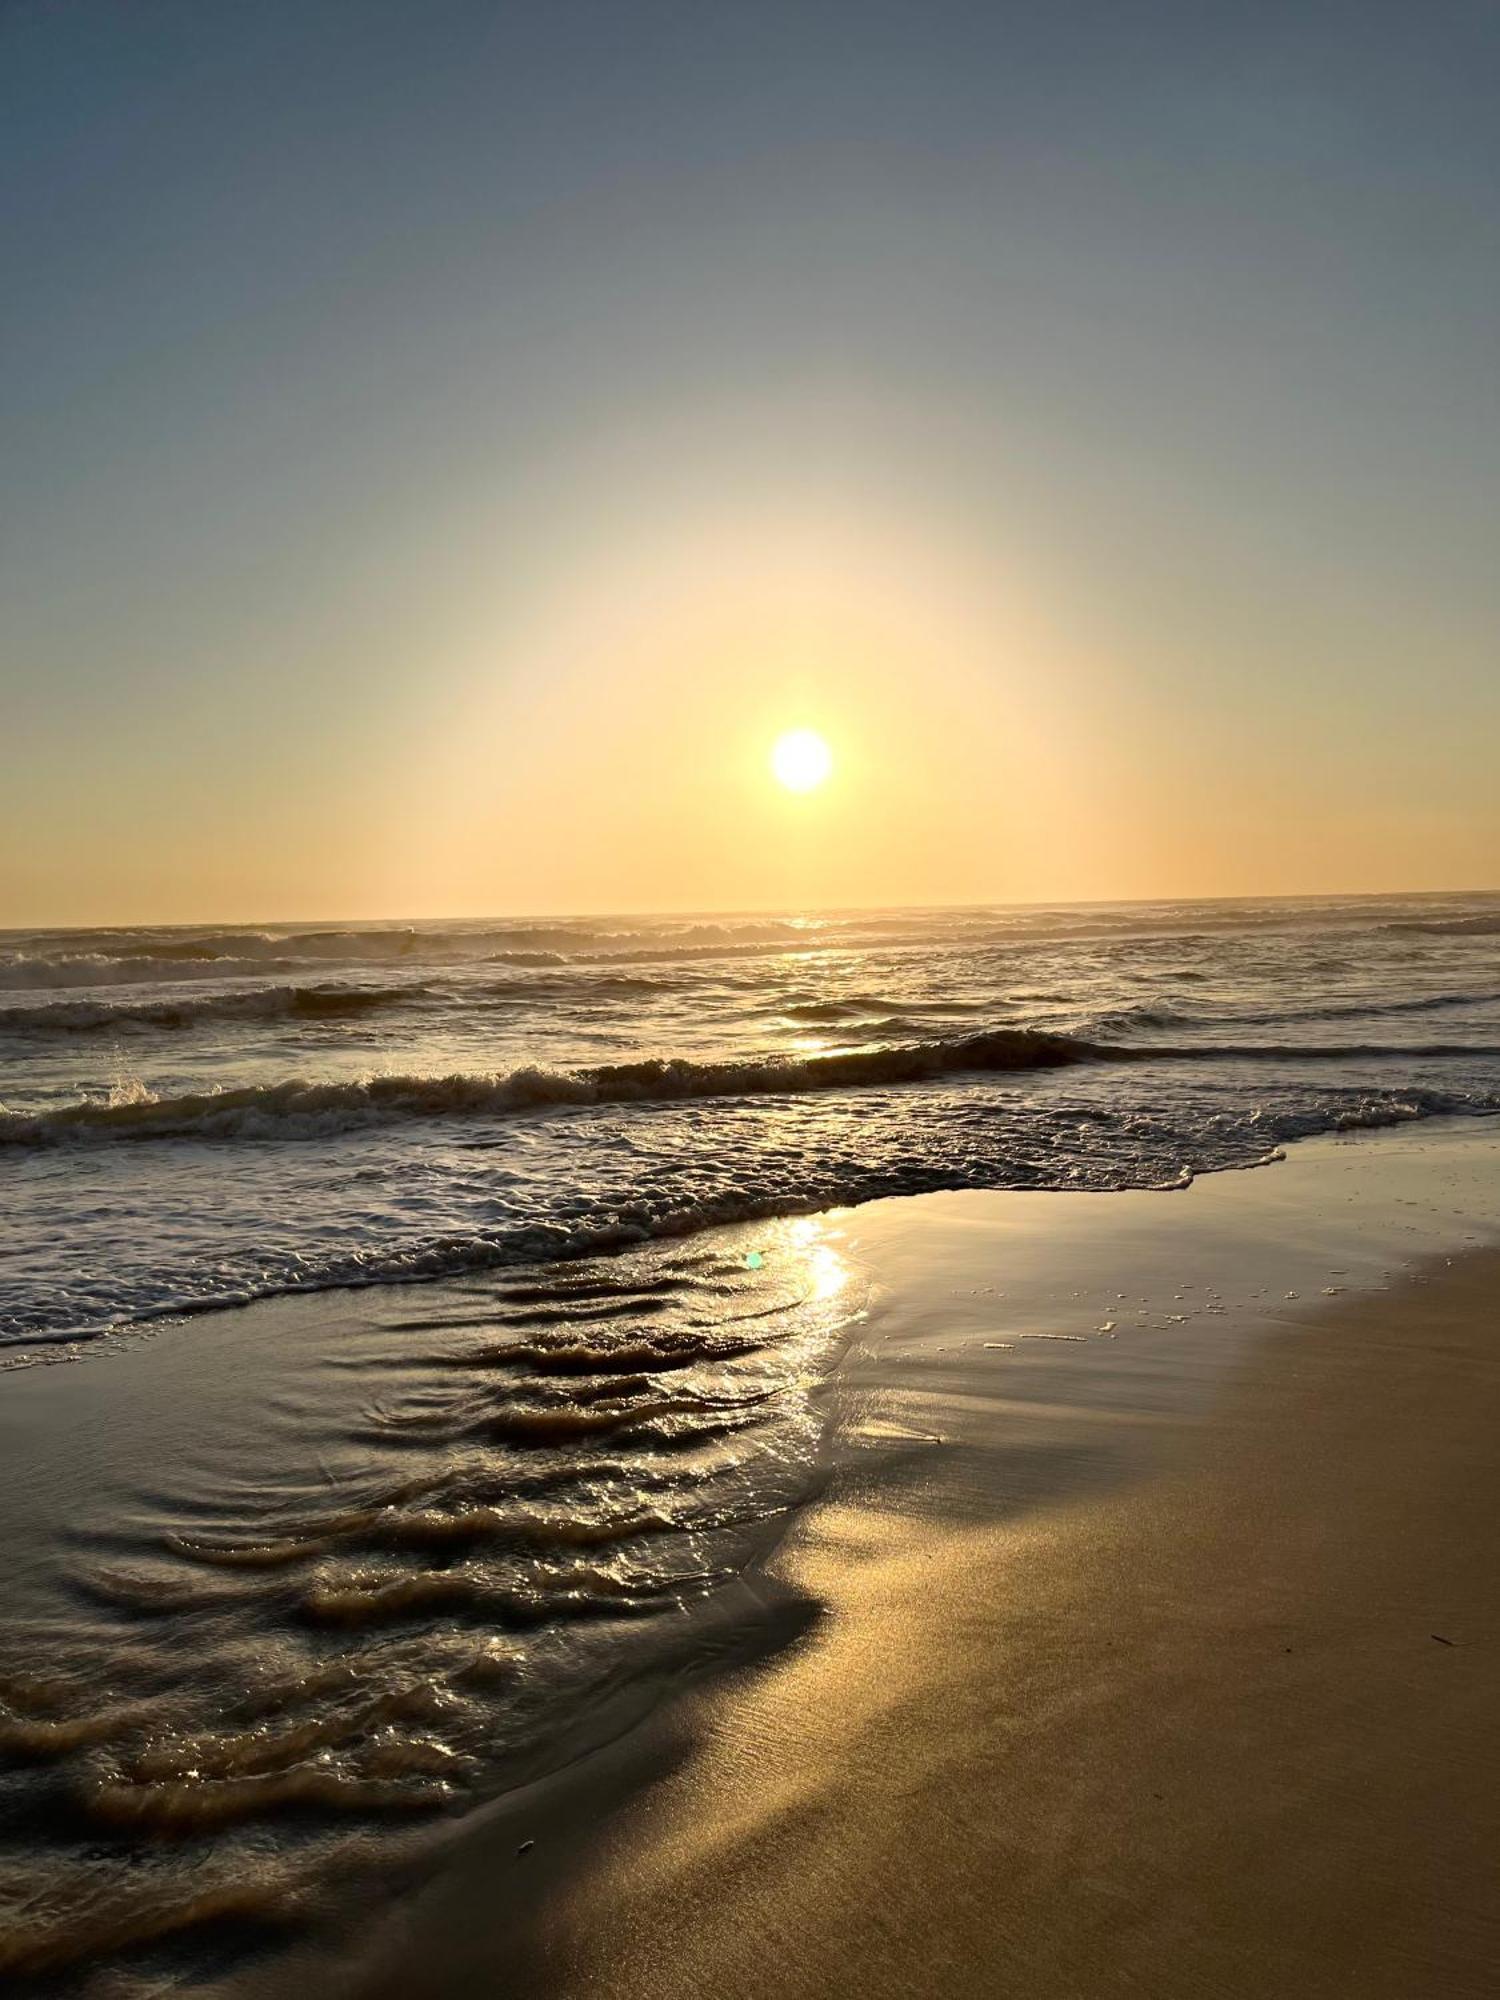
<point x="199" y="1117"/>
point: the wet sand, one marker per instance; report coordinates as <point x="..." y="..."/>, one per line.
<point x="1235" y="1731"/>
<point x="1226" y="1722"/>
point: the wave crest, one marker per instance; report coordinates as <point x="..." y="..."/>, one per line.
<point x="301" y="1108"/>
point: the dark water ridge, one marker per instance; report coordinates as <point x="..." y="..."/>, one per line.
<point x="330" y="1002"/>
<point x="266" y="1003"/>
<point x="1485" y="926"/>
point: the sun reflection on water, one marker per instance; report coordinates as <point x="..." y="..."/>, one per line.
<point x="556" y="1467"/>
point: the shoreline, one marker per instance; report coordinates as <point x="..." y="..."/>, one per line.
<point x="864" y="1806"/>
<point x="1028" y="1368"/>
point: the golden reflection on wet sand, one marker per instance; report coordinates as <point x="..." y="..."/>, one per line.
<point x="543" y="1475"/>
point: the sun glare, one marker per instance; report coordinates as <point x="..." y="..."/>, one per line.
<point x="801" y="760"/>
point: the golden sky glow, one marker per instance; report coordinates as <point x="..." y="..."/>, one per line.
<point x="441" y="507"/>
<point x="598" y="741"/>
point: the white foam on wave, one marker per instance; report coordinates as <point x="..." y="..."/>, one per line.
<point x="299" y="1107"/>
<point x="590" y="1196"/>
<point x="307" y="1108"/>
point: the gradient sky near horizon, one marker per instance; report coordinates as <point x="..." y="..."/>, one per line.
<point x="443" y="444"/>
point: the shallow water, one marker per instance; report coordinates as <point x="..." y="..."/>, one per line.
<point x="349" y="1574"/>
<point x="198" y="1117"/>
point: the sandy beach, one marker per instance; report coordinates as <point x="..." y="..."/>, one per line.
<point x="1232" y="1732"/>
<point x="1196" y="1695"/>
<point x="749" y="1001"/>
<point x="1137" y="1635"/>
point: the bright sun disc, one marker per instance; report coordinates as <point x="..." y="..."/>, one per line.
<point x="801" y="760"/>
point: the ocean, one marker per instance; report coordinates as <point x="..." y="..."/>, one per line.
<point x="199" y="1117"/>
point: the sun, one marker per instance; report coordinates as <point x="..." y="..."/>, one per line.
<point x="801" y="760"/>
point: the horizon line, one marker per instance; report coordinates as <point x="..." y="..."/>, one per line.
<point x="787" y="911"/>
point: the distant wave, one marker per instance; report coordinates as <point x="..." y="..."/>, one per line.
<point x="1486" y="926"/>
<point x="26" y="972"/>
<point x="266" y="1003"/>
<point x="1349" y="1010"/>
<point x="1324" y="1051"/>
<point x="354" y="941"/>
<point x="134" y="957"/>
<point x="1124" y="1020"/>
<point x="237" y="955"/>
<point x="851" y="1008"/>
<point x="300" y="1108"/>
<point x="556" y="980"/>
<point x="1163" y="1015"/>
<point x="674" y="951"/>
<point x="553" y="984"/>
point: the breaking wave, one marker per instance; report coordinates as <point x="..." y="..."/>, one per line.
<point x="301" y="1108"/>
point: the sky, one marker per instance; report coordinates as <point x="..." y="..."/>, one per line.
<point x="443" y="445"/>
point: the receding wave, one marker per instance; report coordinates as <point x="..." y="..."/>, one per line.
<point x="632" y="1217"/>
<point x="301" y="1108"/>
<point x="267" y="1003"/>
